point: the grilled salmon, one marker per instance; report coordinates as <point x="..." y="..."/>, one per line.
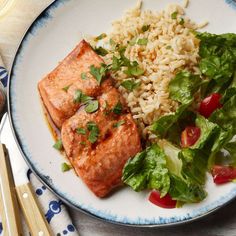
<point x="59" y="87"/>
<point x="97" y="143"/>
<point x="100" y="164"/>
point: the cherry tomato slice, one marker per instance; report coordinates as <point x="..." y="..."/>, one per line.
<point x="164" y="202"/>
<point x="210" y="104"/>
<point x="223" y="174"/>
<point x="190" y="135"/>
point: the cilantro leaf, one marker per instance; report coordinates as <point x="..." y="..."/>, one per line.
<point x="101" y="36"/>
<point x="181" y="22"/>
<point x="142" y="41"/>
<point x="117" y="109"/>
<point x="92" y="106"/>
<point x="81" y="131"/>
<point x="66" y="88"/>
<point x="98" y="72"/>
<point x="65" y="167"/>
<point x="119" y="123"/>
<point x="145" y="28"/>
<point x="58" y="145"/>
<point x="101" y="51"/>
<point x="94" y="131"/>
<point x="130" y="84"/>
<point x="174" y="15"/>
<point x="77" y="96"/>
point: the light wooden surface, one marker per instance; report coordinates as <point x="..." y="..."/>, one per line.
<point x="33" y="214"/>
<point x="221" y="223"/>
<point x="8" y="197"/>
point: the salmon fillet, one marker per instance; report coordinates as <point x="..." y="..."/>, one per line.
<point x="58" y="88"/>
<point x="100" y="164"/>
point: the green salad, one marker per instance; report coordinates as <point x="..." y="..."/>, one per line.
<point x="198" y="137"/>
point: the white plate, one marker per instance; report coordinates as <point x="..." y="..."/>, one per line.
<point x="50" y="38"/>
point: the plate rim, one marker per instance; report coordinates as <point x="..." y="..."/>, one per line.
<point x="44" y="14"/>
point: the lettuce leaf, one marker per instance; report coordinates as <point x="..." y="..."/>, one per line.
<point x="147" y="170"/>
<point x="182" y="89"/>
<point x="218" y="58"/>
<point x="162" y="169"/>
<point x="226" y="116"/>
<point x="183" y="86"/>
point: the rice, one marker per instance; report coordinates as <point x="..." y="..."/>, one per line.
<point x="171" y="47"/>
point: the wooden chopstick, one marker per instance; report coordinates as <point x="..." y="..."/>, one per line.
<point x="10" y="205"/>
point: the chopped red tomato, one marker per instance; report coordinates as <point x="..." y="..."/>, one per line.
<point x="223" y="174"/>
<point x="209" y="104"/>
<point x="190" y="136"/>
<point x="164" y="202"/>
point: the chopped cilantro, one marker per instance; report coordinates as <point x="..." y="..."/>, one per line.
<point x="134" y="70"/>
<point x="98" y="72"/>
<point x="118" y="108"/>
<point x="174" y="15"/>
<point x="83" y="75"/>
<point x="58" y="145"/>
<point x="142" y="41"/>
<point x="118" y="124"/>
<point x="94" y="131"/>
<point x="84" y="98"/>
<point x="145" y="28"/>
<point x="116" y="64"/>
<point x="66" y="88"/>
<point x="130" y="84"/>
<point x="92" y="106"/>
<point x="81" y="131"/>
<point x="101" y="36"/>
<point x="101" y="51"/>
<point x="77" y="96"/>
<point x="65" y="167"/>
<point x="83" y="143"/>
<point x="181" y="22"/>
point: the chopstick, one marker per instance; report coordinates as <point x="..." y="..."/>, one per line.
<point x="9" y="200"/>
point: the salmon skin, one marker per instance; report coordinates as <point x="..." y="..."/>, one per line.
<point x="58" y="88"/>
<point x="97" y="144"/>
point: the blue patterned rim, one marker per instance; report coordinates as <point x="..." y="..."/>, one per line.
<point x="43" y="18"/>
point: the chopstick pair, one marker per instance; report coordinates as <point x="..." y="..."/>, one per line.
<point x="10" y="211"/>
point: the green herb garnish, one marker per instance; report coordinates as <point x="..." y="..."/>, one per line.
<point x="181" y="22"/>
<point x="98" y="72"/>
<point x="77" y="96"/>
<point x="117" y="109"/>
<point x="81" y="131"/>
<point x="174" y="15"/>
<point x="85" y="99"/>
<point x="134" y="70"/>
<point x="142" y="41"/>
<point x="66" y="88"/>
<point x="101" y="51"/>
<point x="168" y="47"/>
<point x="101" y="36"/>
<point x="83" y="76"/>
<point x="145" y="28"/>
<point x="92" y="106"/>
<point x="130" y="84"/>
<point x="58" y="145"/>
<point x="83" y="143"/>
<point x="94" y="131"/>
<point x="118" y="124"/>
<point x="65" y="167"/>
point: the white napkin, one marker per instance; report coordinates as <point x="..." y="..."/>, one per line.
<point x="53" y="208"/>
